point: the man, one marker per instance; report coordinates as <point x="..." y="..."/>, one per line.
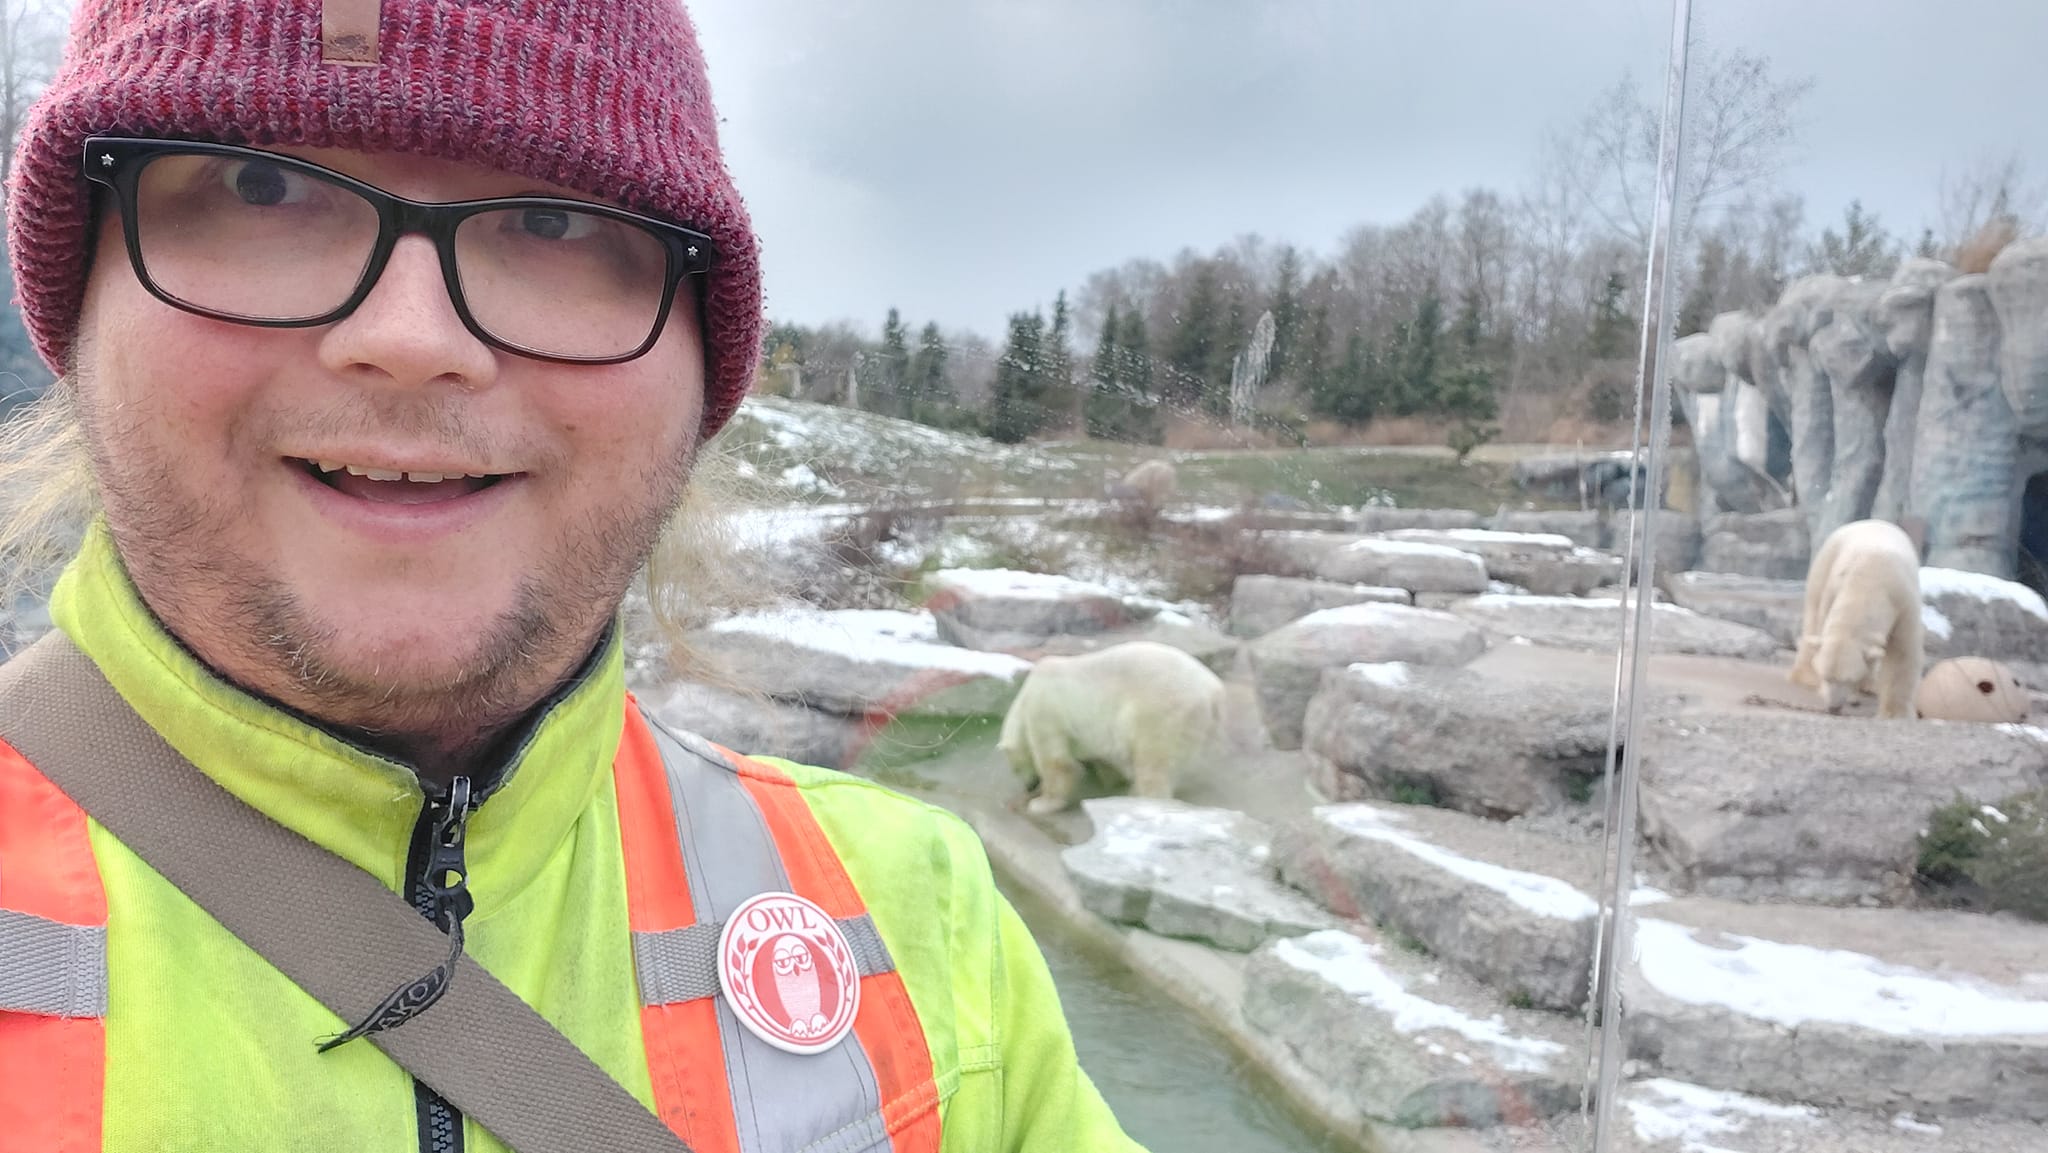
<point x="390" y="333"/>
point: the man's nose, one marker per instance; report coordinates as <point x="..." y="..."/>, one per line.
<point x="406" y="332"/>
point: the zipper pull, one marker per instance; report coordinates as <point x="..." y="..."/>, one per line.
<point x="447" y="872"/>
<point x="447" y="882"/>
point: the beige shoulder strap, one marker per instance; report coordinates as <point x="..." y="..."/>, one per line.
<point x="330" y="927"/>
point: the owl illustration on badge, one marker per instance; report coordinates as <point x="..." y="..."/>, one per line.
<point x="788" y="973"/>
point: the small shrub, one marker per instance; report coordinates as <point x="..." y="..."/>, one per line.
<point x="1995" y="855"/>
<point x="1413" y="792"/>
<point x="1407" y="942"/>
<point x="1520" y="999"/>
<point x="1468" y="435"/>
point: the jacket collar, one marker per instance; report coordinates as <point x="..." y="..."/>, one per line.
<point x="355" y="803"/>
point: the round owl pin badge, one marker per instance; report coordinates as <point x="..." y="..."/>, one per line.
<point x="788" y="973"/>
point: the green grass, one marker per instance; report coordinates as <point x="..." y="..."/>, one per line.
<point x="860" y="456"/>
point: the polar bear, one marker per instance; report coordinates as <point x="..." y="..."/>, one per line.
<point x="1147" y="485"/>
<point x="1861" y="628"/>
<point x="1141" y="710"/>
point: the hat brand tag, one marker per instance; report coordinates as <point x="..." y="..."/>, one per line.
<point x="348" y="32"/>
<point x="788" y="973"/>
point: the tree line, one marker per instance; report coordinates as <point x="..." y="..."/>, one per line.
<point x="1486" y="311"/>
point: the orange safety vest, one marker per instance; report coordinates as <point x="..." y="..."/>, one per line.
<point x="703" y="830"/>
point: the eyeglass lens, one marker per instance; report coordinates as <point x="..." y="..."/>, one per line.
<point x="263" y="240"/>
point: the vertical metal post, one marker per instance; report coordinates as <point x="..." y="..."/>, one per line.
<point x="1652" y="382"/>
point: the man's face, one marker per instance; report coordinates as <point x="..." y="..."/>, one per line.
<point x="420" y="611"/>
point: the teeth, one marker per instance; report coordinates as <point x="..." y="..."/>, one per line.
<point x="388" y="474"/>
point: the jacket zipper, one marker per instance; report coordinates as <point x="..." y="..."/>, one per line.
<point x="438" y="886"/>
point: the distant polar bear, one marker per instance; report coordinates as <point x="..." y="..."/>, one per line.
<point x="1141" y="710"/>
<point x="1148" y="484"/>
<point x="1861" y="628"/>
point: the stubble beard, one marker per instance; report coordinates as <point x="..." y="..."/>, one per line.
<point x="235" y="616"/>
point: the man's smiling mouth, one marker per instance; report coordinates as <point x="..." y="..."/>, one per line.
<point x="388" y="486"/>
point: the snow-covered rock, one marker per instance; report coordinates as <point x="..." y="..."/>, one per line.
<point x="861" y="662"/>
<point x="1595" y="625"/>
<point x="1180" y="870"/>
<point x="1485" y="745"/>
<point x="1288" y="662"/>
<point x="1501" y="905"/>
<point x="1984" y="617"/>
<point x="1405" y="1044"/>
<point x="1260" y="604"/>
<point x="1545" y="563"/>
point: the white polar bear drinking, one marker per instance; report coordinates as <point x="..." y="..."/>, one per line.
<point x="1861" y="627"/>
<point x="1141" y="710"/>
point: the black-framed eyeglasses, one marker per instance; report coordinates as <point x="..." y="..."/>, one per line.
<point x="253" y="237"/>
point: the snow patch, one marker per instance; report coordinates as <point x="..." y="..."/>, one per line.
<point x="1792" y="984"/>
<point x="1908" y="1123"/>
<point x="2034" y="731"/>
<point x="1935" y="582"/>
<point x="882" y="635"/>
<point x="1541" y="895"/>
<point x="1493" y="536"/>
<point x="1386" y="674"/>
<point x="1143" y="832"/>
<point x="999" y="582"/>
<point x="1645" y="895"/>
<point x="1372" y="613"/>
<point x="1378" y="547"/>
<point x="1348" y="963"/>
<point x="1666" y="1110"/>
<point x="1935" y="621"/>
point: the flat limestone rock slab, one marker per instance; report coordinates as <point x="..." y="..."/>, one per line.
<point x="760" y="725"/>
<point x="1544" y="563"/>
<point x="1411" y="1046"/>
<point x="1180" y="870"/>
<point x="1927" y="1012"/>
<point x="1505" y="907"/>
<point x="1595" y="625"/>
<point x="1493" y="746"/>
<point x="981" y="602"/>
<point x="862" y="663"/>
<point x="1770" y="805"/>
<point x="1260" y="604"/>
<point x="1288" y="662"/>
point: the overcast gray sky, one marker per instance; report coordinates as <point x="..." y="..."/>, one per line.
<point x="961" y="159"/>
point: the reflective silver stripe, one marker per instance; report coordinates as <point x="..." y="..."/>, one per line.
<point x="682" y="964"/>
<point x="50" y="968"/>
<point x="828" y="1102"/>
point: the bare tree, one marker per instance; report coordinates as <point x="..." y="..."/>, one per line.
<point x="1991" y="195"/>
<point x="1741" y="125"/>
<point x="31" y="41"/>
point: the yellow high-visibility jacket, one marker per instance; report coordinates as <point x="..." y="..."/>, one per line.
<point x="587" y="859"/>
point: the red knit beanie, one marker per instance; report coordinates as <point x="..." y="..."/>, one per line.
<point x="608" y="97"/>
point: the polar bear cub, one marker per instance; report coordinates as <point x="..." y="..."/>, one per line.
<point x="1143" y="711"/>
<point x="1861" y="628"/>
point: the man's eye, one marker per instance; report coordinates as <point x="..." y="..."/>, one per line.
<point x="266" y="185"/>
<point x="555" y="223"/>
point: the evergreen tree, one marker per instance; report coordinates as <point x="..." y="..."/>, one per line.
<point x="891" y="395"/>
<point x="1608" y="337"/>
<point x="1017" y="400"/>
<point x="1106" y="399"/>
<point x="931" y="391"/>
<point x="1411" y="360"/>
<point x="1146" y="419"/>
<point x="1862" y="248"/>
<point x="1350" y="392"/>
<point x="1311" y="353"/>
<point x="1927" y="248"/>
<point x="1197" y="341"/>
<point x="1062" y="399"/>
<point x="1236" y="335"/>
<point x="1287" y="315"/>
<point x="1702" y="300"/>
